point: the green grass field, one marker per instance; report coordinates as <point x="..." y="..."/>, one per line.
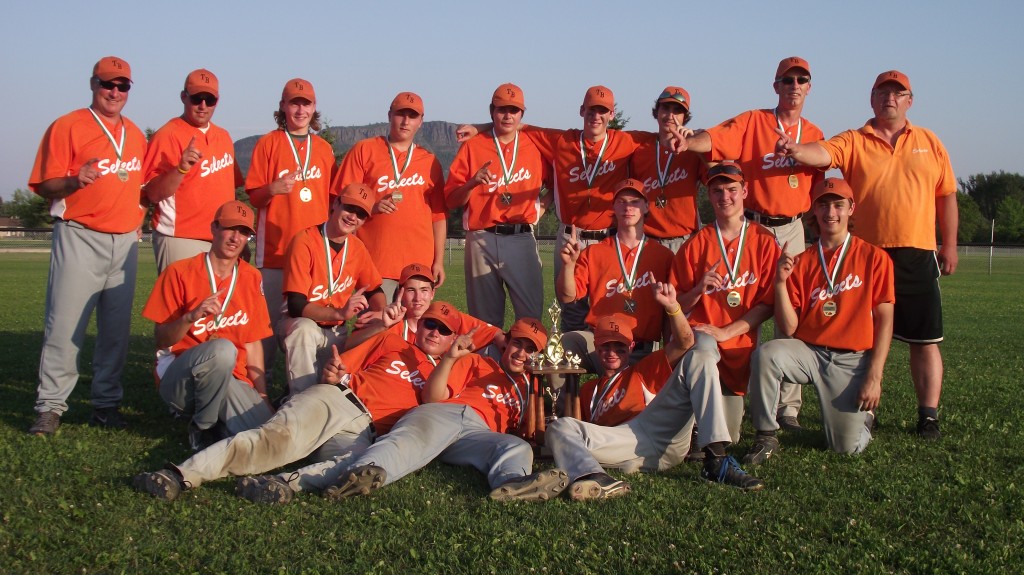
<point x="903" y="506"/>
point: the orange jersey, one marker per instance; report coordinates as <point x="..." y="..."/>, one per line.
<point x="107" y="205"/>
<point x="406" y="236"/>
<point x="599" y="275"/>
<point x="388" y="375"/>
<point x="615" y="400"/>
<point x="285" y="215"/>
<point x="865" y="279"/>
<point x="754" y="277"/>
<point x="498" y="397"/>
<point x="895" y="189"/>
<point x="207" y="185"/>
<point x="306" y="272"/>
<point x="673" y="209"/>
<point x="485" y="332"/>
<point x="185" y="284"/>
<point x="485" y="206"/>
<point x="750" y="140"/>
<point x="579" y="202"/>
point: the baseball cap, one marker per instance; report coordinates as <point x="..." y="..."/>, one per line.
<point x="788" y="64"/>
<point x="407" y="101"/>
<point x="599" y="96"/>
<point x="893" y="76"/>
<point x="415" y="271"/>
<point x="614" y="327"/>
<point x="728" y="169"/>
<point x="445" y="313"/>
<point x="110" y="67"/>
<point x="357" y="194"/>
<point x="675" y="94"/>
<point x="834" y="187"/>
<point x="531" y="329"/>
<point x="235" y="214"/>
<point x="509" y="95"/>
<point x="630" y="184"/>
<point x="201" y="80"/>
<point x="298" y="88"/>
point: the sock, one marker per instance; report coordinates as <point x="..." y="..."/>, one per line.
<point x="716" y="449"/>
<point x="932" y="412"/>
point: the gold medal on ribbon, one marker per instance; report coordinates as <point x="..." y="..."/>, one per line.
<point x="506" y="199"/>
<point x="122" y="174"/>
<point x="830" y="308"/>
<point x="630" y="305"/>
<point x="793" y="181"/>
<point x="306" y="195"/>
<point x="660" y="202"/>
<point x="734" y="299"/>
<point x="213" y="336"/>
<point x="396" y="197"/>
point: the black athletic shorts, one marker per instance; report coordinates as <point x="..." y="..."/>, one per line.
<point x="918" y="310"/>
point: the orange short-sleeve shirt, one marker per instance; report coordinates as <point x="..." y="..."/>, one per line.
<point x="673" y="207"/>
<point x="498" y="397"/>
<point x="610" y="401"/>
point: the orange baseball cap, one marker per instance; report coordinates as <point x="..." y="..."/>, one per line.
<point x="531" y="329"/>
<point x="674" y="94"/>
<point x="445" y="313"/>
<point x="415" y="271"/>
<point x="111" y="67"/>
<point x="509" y="95"/>
<point x="599" y="96"/>
<point x="614" y="327"/>
<point x="631" y="184"/>
<point x="834" y="187"/>
<point x="728" y="169"/>
<point x="407" y="101"/>
<point x="201" y="80"/>
<point x="788" y="64"/>
<point x="893" y="76"/>
<point x="298" y="88"/>
<point x="357" y="194"/>
<point x="235" y="214"/>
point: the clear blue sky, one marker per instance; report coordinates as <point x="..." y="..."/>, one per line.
<point x="964" y="60"/>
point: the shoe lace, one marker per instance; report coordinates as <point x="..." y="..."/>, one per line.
<point x="729" y="464"/>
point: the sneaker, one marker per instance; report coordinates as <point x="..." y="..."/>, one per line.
<point x="598" y="486"/>
<point x="539" y="486"/>
<point x="764" y="447"/>
<point x="726" y="471"/>
<point x="362" y="480"/>
<point x="695" y="454"/>
<point x="46" y="423"/>
<point x="789" y="423"/>
<point x="107" y="417"/>
<point x="268" y="489"/>
<point x="164" y="484"/>
<point x="928" y="428"/>
<point x="200" y="439"/>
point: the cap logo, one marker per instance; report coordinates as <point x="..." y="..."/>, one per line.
<point x="614" y="326"/>
<point x="511" y="93"/>
<point x="445" y="310"/>
<point x="204" y="77"/>
<point x="300" y="86"/>
<point x="242" y="211"/>
<point x="600" y="93"/>
<point x="409" y="98"/>
<point x="115" y="64"/>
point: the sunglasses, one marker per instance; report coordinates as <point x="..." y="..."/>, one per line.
<point x="720" y="169"/>
<point x="108" y="85"/>
<point x="433" y="324"/>
<point x="789" y="80"/>
<point x="677" y="96"/>
<point x="197" y="99"/>
<point x="355" y="210"/>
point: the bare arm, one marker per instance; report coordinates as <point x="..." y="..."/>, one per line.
<point x="754" y="317"/>
<point x="699" y="142"/>
<point x="711" y="278"/>
<point x="682" y="336"/>
<point x="59" y="188"/>
<point x="437" y="384"/>
<point x="254" y="367"/>
<point x="812" y="154"/>
<point x="949" y="222"/>
<point x="164" y="185"/>
<point x="565" y="285"/>
<point x="786" y="320"/>
<point x="871" y="388"/>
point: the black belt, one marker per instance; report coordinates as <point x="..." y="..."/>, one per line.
<point x="838" y="350"/>
<point x="587" y="234"/>
<point x="661" y="239"/>
<point x="771" y="221"/>
<point x="510" y="229"/>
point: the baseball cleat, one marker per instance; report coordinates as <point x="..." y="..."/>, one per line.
<point x="726" y="471"/>
<point x="108" y="417"/>
<point x="539" y="486"/>
<point x="764" y="447"/>
<point x="598" y="486"/>
<point x="928" y="428"/>
<point x="46" y="423"/>
<point x="362" y="480"/>
<point x="789" y="423"/>
<point x="164" y="484"/>
<point x="267" y="489"/>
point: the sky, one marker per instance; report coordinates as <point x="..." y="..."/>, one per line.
<point x="963" y="59"/>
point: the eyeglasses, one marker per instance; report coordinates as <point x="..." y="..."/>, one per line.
<point x="788" y="80"/>
<point x="886" y="94"/>
<point x="197" y="99"/>
<point x="108" y="85"/>
<point x="433" y="324"/>
<point x="355" y="210"/>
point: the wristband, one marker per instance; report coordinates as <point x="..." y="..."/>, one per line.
<point x="678" y="310"/>
<point x="181" y="171"/>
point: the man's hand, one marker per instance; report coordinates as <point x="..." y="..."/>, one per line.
<point x="665" y="294"/>
<point x="676" y="139"/>
<point x="948" y="259"/>
<point x="784" y="268"/>
<point x="483" y="175"/>
<point x="88" y="173"/>
<point x="283" y="185"/>
<point x="870" y="392"/>
<point x="190" y="156"/>
<point x="784" y="146"/>
<point x="209" y="306"/>
<point x="385" y="205"/>
<point x="714" y="331"/>
<point x="711" y="278"/>
<point x="355" y="304"/>
<point x="393" y="313"/>
<point x="571" y="252"/>
<point x="335" y="369"/>
<point x="462" y="346"/>
<point x="437" y="270"/>
<point x="465" y="132"/>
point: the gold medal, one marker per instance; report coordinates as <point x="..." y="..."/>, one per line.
<point x="660" y="202"/>
<point x="734" y="299"/>
<point x="506" y="199"/>
<point x="122" y="174"/>
<point x="630" y="305"/>
<point x="830" y="308"/>
<point x="306" y="195"/>
<point x="213" y="336"/>
<point x="396" y="197"/>
<point x="794" y="182"/>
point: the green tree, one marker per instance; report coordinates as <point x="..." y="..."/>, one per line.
<point x="619" y="121"/>
<point x="1010" y="220"/>
<point x="32" y="210"/>
<point x="989" y="190"/>
<point x="973" y="226"/>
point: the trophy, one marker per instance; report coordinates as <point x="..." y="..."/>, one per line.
<point x="554" y="355"/>
<point x="553" y="361"/>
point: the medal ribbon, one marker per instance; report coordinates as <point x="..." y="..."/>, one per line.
<point x="118" y="148"/>
<point x="331" y="280"/>
<point x="405" y="329"/>
<point x="597" y="163"/>
<point x="213" y="285"/>
<point x="629" y="278"/>
<point x="830" y="277"/>
<point x="408" y="160"/>
<point x="799" y="125"/>
<point x="507" y="169"/>
<point x="520" y="395"/>
<point x="662" y="173"/>
<point x="734" y="268"/>
<point x="295" y="154"/>
<point x="599" y="397"/>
